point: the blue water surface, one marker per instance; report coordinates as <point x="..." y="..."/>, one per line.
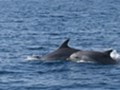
<point x="37" y="27"/>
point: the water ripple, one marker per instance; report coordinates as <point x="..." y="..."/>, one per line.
<point x="37" y="27"/>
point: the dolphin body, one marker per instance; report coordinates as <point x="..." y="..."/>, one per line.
<point x="62" y="53"/>
<point x="93" y="56"/>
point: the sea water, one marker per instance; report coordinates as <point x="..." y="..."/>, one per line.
<point x="38" y="27"/>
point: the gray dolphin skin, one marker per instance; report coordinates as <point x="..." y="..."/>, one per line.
<point x="62" y="53"/>
<point x="94" y="56"/>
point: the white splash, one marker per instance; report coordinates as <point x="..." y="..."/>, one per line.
<point x="115" y="55"/>
<point x="33" y="57"/>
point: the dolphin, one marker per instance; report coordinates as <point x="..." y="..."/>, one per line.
<point x="93" y="56"/>
<point x="62" y="53"/>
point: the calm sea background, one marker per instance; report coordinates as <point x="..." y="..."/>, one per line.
<point x="37" y="27"/>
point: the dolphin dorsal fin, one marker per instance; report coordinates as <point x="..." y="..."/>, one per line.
<point x="65" y="44"/>
<point x="108" y="52"/>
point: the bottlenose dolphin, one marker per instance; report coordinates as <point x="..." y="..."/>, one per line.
<point x="62" y="53"/>
<point x="94" y="56"/>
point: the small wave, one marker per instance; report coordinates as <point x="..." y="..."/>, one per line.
<point x="8" y="72"/>
<point x="35" y="48"/>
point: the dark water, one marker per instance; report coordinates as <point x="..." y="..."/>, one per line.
<point x="38" y="27"/>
